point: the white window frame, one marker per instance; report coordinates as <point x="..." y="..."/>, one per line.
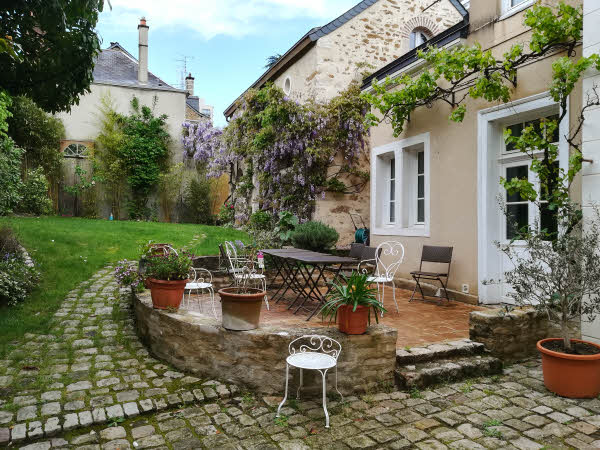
<point x="490" y="155"/>
<point x="405" y="154"/>
<point x="508" y="10"/>
<point x="388" y="193"/>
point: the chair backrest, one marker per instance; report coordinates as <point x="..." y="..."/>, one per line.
<point x="436" y="254"/>
<point x="356" y="250"/>
<point x="232" y="257"/>
<point x="316" y="343"/>
<point x="388" y="257"/>
<point x="368" y="253"/>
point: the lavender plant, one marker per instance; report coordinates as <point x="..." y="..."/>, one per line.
<point x="127" y="275"/>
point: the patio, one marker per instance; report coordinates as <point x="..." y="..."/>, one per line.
<point x="418" y="323"/>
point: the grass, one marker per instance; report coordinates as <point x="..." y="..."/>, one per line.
<point x="68" y="251"/>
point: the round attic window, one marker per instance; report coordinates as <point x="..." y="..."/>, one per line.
<point x="287" y="86"/>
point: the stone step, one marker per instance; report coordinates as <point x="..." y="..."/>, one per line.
<point x="453" y="349"/>
<point x="424" y="374"/>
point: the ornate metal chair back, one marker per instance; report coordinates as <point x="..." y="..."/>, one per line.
<point x="316" y="343"/>
<point x="388" y="257"/>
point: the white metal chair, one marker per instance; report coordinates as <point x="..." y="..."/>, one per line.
<point x="388" y="257"/>
<point x="243" y="270"/>
<point x="200" y="280"/>
<point x="313" y="352"/>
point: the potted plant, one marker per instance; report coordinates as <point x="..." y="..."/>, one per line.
<point x="167" y="275"/>
<point x="559" y="276"/>
<point x="146" y="250"/>
<point x="351" y="302"/>
<point x="241" y="304"/>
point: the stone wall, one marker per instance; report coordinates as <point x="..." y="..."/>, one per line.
<point x="512" y="336"/>
<point x="256" y="359"/>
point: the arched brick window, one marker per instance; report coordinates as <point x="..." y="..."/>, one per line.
<point x="419" y="36"/>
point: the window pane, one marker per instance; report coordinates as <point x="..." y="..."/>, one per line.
<point x="393" y="168"/>
<point x="515" y="172"/>
<point x="392" y="190"/>
<point x="556" y="134"/>
<point x="421" y="211"/>
<point x="421" y="162"/>
<point x="548" y="221"/>
<point x="516" y="131"/>
<point x="517" y="218"/>
<point x="421" y="188"/>
<point x="516" y="2"/>
<point x="392" y="211"/>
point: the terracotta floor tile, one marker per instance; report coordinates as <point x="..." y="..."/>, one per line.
<point x="418" y="323"/>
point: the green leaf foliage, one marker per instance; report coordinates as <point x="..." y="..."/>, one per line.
<point x="314" y="235"/>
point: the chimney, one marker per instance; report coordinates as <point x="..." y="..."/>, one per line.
<point x="143" y="52"/>
<point x="189" y="84"/>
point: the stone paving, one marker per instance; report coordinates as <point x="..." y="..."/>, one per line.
<point x="92" y="385"/>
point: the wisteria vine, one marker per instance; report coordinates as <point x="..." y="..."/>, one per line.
<point x="296" y="151"/>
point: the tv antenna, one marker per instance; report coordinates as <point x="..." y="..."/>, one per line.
<point x="182" y="69"/>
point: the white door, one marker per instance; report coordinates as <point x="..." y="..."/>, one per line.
<point x="520" y="215"/>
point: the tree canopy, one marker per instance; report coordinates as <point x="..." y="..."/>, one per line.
<point x="47" y="49"/>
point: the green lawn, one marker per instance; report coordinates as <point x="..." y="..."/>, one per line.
<point x="69" y="250"/>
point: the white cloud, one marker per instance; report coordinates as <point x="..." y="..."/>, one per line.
<point x="210" y="18"/>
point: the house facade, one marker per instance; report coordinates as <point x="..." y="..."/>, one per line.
<point x="120" y="76"/>
<point x="327" y="59"/>
<point x="438" y="182"/>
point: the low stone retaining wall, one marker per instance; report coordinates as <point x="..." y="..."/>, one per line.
<point x="256" y="359"/>
<point x="512" y="335"/>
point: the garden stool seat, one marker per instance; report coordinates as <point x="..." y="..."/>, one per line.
<point x="311" y="361"/>
<point x="313" y="352"/>
<point x="380" y="279"/>
<point x="190" y="286"/>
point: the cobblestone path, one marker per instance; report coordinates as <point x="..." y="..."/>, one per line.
<point x="90" y="384"/>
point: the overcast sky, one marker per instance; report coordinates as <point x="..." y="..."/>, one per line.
<point x="226" y="41"/>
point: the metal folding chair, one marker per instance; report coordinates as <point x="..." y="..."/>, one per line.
<point x="433" y="254"/>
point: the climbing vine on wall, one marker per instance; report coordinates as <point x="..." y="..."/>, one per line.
<point x="291" y="153"/>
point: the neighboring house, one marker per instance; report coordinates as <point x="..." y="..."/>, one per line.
<point x="326" y="59"/>
<point x="438" y="182"/>
<point x="121" y="76"/>
<point x="196" y="108"/>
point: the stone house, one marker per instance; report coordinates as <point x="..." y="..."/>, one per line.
<point x="326" y="59"/>
<point x="196" y="108"/>
<point x="437" y="183"/>
<point x="118" y="74"/>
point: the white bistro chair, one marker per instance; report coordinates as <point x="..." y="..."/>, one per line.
<point x="388" y="257"/>
<point x="200" y="280"/>
<point x="243" y="270"/>
<point x="313" y="352"/>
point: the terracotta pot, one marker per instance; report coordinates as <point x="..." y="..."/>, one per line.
<point x="573" y="376"/>
<point x="342" y="314"/>
<point x="166" y="294"/>
<point x="241" y="312"/>
<point x="354" y="322"/>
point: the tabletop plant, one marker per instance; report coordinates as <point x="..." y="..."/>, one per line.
<point x="350" y="302"/>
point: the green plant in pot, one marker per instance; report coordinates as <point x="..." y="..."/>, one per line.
<point x="167" y="275"/>
<point x="350" y="302"/>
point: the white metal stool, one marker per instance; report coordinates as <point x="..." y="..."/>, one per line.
<point x="199" y="283"/>
<point x="313" y="352"/>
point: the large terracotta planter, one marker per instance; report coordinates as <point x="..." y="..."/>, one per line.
<point x="353" y="322"/>
<point x="573" y="376"/>
<point x="166" y="294"/>
<point x="241" y="312"/>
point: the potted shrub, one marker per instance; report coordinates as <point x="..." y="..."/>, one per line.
<point x="350" y="303"/>
<point x="560" y="277"/>
<point x="146" y="250"/>
<point x="315" y="236"/>
<point x="167" y="275"/>
<point x="241" y="304"/>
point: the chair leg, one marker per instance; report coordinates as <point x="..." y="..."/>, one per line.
<point x="336" y="384"/>
<point x="287" y="373"/>
<point x="324" y="375"/>
<point x="444" y="287"/>
<point x="264" y="282"/>
<point x="414" y="290"/>
<point x="301" y="384"/>
<point x="212" y="298"/>
<point x="394" y="295"/>
<point x="382" y="295"/>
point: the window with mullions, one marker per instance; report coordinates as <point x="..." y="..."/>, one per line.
<point x="76" y="151"/>
<point x="392" y="191"/>
<point x="517" y="130"/>
<point x="420" y="187"/>
<point x="517" y="208"/>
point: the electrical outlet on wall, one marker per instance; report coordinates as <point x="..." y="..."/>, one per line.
<point x="465" y="288"/>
